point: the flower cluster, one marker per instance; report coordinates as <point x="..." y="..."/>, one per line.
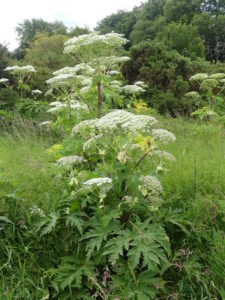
<point x="199" y="77"/>
<point x="163" y="136"/>
<point x="4" y="80"/>
<point x="110" y="62"/>
<point x="45" y="123"/>
<point x="24" y="69"/>
<point x="217" y="76"/>
<point x="133" y="89"/>
<point x="60" y="79"/>
<point x="193" y="95"/>
<point x="37" y="92"/>
<point x="118" y="119"/>
<point x="84" y="68"/>
<point x="75" y="44"/>
<point x="98" y="181"/>
<point x="163" y="155"/>
<point x="71" y="160"/>
<point x="72" y="104"/>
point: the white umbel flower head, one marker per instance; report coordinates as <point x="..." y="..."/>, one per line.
<point x="28" y="68"/>
<point x="92" y="39"/>
<point x="163" y="155"/>
<point x="71" y="160"/>
<point x="217" y="76"/>
<point x="118" y="119"/>
<point x="140" y="83"/>
<point x="61" y="78"/>
<point x="37" y="92"/>
<point x="163" y="136"/>
<point x="12" y="68"/>
<point x="73" y="104"/>
<point x="192" y="95"/>
<point x="98" y="181"/>
<point x="4" y="80"/>
<point x="24" y="69"/>
<point x="133" y="89"/>
<point x="113" y="72"/>
<point x="199" y="77"/>
<point x="116" y="82"/>
<point x="45" y="123"/>
<point x="65" y="70"/>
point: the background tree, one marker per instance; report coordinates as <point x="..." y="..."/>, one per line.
<point x="151" y="17"/>
<point x="212" y="30"/>
<point x="184" y="39"/>
<point x="47" y="51"/>
<point x="181" y="11"/>
<point x="4" y="59"/>
<point x="78" y="31"/>
<point x="121" y="22"/>
<point x="29" y="28"/>
<point x="149" y="21"/>
<point x="46" y="54"/>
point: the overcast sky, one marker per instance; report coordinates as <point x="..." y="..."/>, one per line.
<point x="71" y="12"/>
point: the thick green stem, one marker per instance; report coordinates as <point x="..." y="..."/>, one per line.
<point x="99" y="100"/>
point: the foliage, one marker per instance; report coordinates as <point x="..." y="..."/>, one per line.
<point x="30" y="107"/>
<point x="78" y="31"/>
<point x="153" y="17"/>
<point x="29" y="28"/>
<point x="46" y="52"/>
<point x="121" y="22"/>
<point x="4" y="59"/>
<point x="211" y="28"/>
<point x="8" y="98"/>
<point x="182" y="38"/>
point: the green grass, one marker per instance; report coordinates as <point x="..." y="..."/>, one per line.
<point x="194" y="196"/>
<point x="195" y="191"/>
<point x="24" y="163"/>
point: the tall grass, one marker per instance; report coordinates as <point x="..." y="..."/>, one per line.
<point x="195" y="191"/>
<point x="24" y="163"/>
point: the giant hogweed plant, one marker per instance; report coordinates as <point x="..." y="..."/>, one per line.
<point x="212" y="88"/>
<point x="22" y="76"/>
<point x="95" y="82"/>
<point x="31" y="106"/>
<point x="111" y="243"/>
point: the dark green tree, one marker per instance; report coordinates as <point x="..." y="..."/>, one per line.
<point x="183" y="38"/>
<point x="121" y="22"/>
<point x="212" y="30"/>
<point x="46" y="55"/>
<point x="4" y="59"/>
<point x="182" y="10"/>
<point x="78" y="31"/>
<point x="149" y="21"/>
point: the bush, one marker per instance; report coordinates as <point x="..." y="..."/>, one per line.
<point x="8" y="98"/>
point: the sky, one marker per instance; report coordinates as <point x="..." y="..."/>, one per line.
<point x="70" y="12"/>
